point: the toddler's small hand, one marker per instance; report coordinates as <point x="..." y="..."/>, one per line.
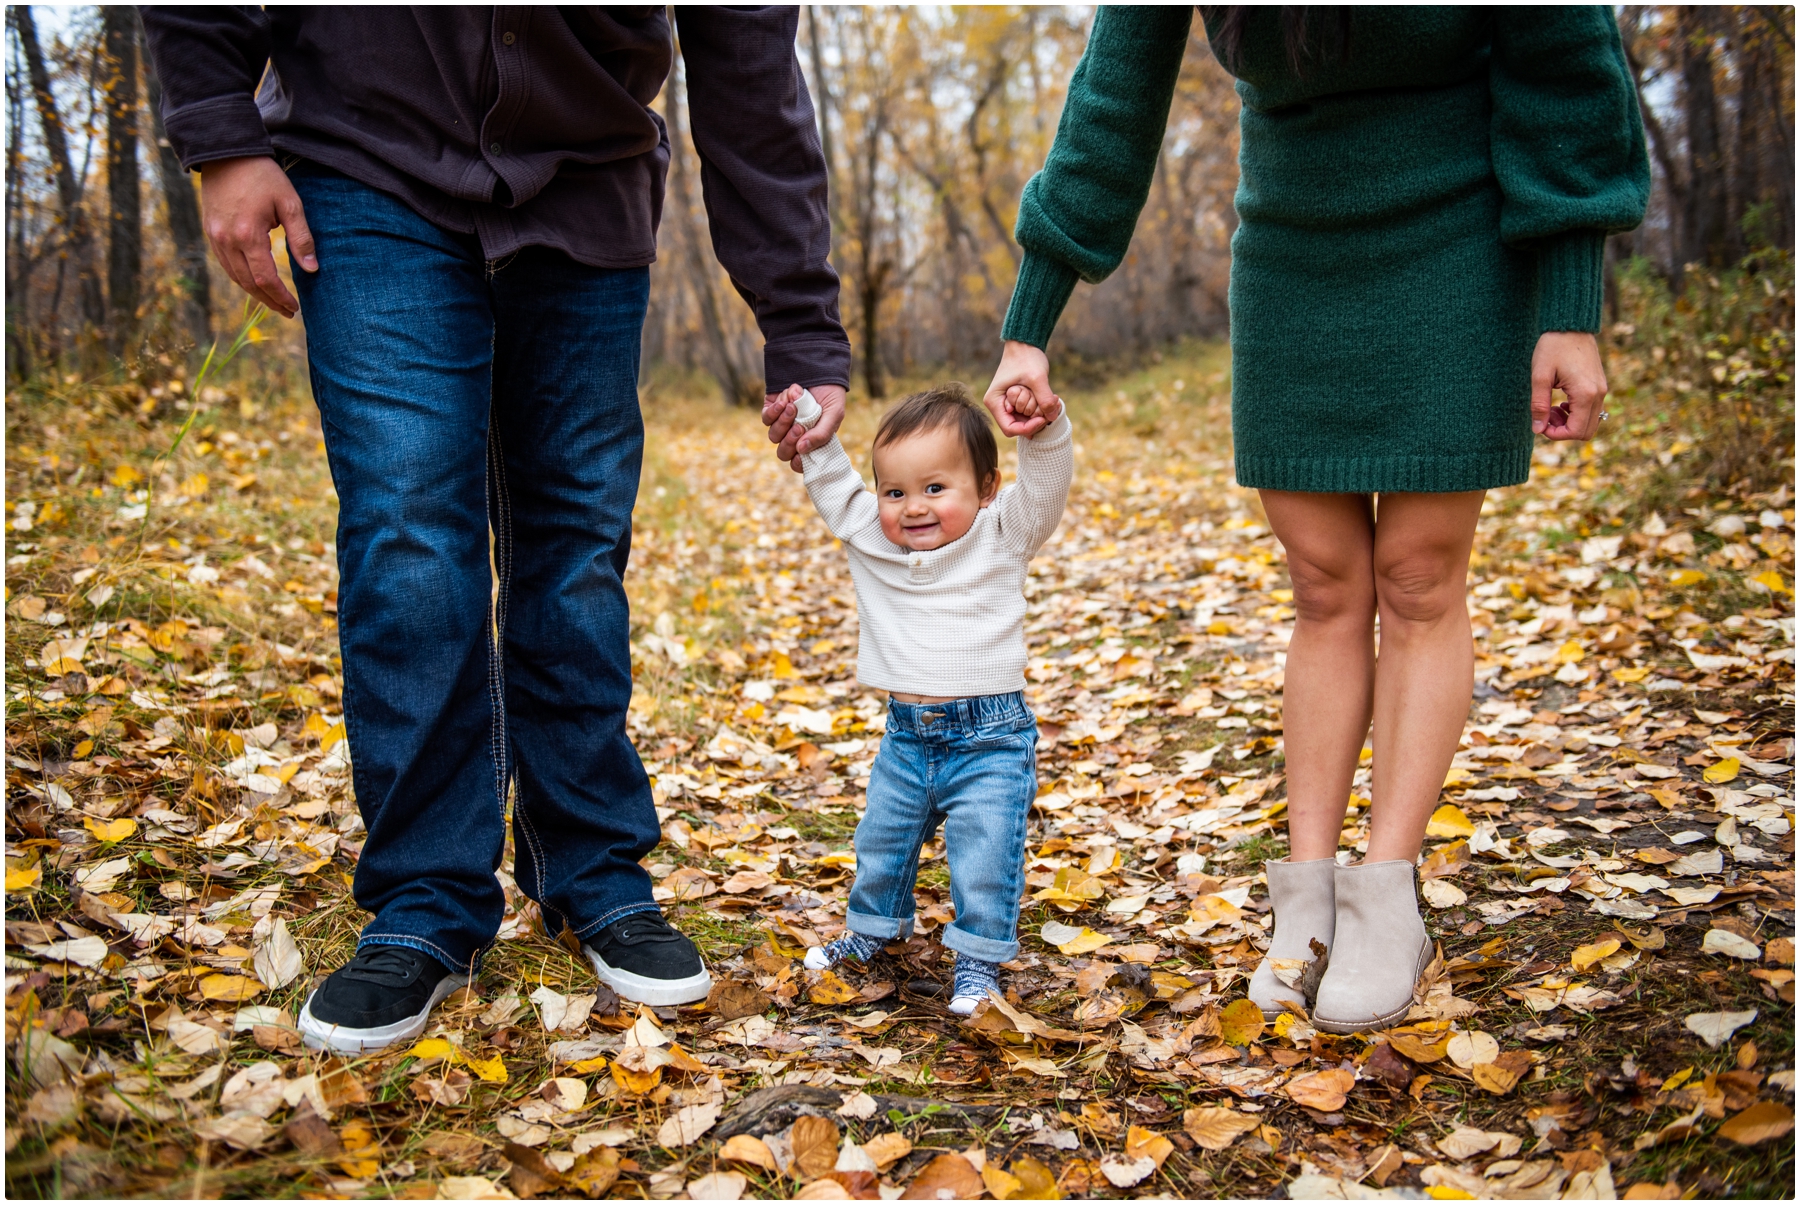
<point x="1022" y="404"/>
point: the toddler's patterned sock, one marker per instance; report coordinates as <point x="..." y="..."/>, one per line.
<point x="850" y="945"/>
<point x="974" y="980"/>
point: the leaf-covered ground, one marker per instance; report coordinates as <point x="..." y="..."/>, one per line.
<point x="1610" y="877"/>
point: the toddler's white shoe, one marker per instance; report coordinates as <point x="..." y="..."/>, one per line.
<point x="962" y="1006"/>
<point x="817" y="959"/>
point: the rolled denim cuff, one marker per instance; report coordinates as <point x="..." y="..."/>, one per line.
<point x="470" y="965"/>
<point x="984" y="948"/>
<point x="888" y="928"/>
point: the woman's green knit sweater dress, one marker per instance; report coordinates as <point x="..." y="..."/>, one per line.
<point x="1411" y="216"/>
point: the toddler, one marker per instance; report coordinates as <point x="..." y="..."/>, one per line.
<point x="939" y="554"/>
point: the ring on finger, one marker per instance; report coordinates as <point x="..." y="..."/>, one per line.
<point x="1604" y="416"/>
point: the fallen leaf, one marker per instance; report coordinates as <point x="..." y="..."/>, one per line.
<point x="815" y="1144"/>
<point x="229" y="988"/>
<point x="1760" y="1122"/>
<point x="1240" y="1022"/>
<point x="1586" y="956"/>
<point x="687" y="1124"/>
<point x="1716" y="1028"/>
<point x="110" y="831"/>
<point x="278" y="962"/>
<point x="1216" y="1129"/>
<point x="718" y="1186"/>
<point x="1467" y="1048"/>
<point x="1140" y="1142"/>
<point x="730" y="999"/>
<point x="830" y="989"/>
<point x="947" y="1178"/>
<point x="1122" y="1172"/>
<point x="745" y="1148"/>
<point x="1724" y="941"/>
<point x="1465" y="1142"/>
<point x="1325" y="1091"/>
<point x="887" y="1149"/>
<point x="1071" y="940"/>
<point x="1449" y="821"/>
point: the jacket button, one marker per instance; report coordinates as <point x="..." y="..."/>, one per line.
<point x="494" y="147"/>
<point x="508" y="38"/>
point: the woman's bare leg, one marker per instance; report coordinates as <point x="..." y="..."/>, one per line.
<point x="1425" y="671"/>
<point x="1330" y="678"/>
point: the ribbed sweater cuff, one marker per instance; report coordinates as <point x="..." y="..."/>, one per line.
<point x="1038" y="299"/>
<point x="1569" y="281"/>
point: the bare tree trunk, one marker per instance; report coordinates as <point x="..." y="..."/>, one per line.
<point x="823" y="102"/>
<point x="125" y="228"/>
<point x="184" y="217"/>
<point x="738" y="382"/>
<point x="18" y="262"/>
<point x="1708" y="224"/>
<point x="68" y="193"/>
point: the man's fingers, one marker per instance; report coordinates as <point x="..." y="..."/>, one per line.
<point x="268" y="280"/>
<point x="301" y="252"/>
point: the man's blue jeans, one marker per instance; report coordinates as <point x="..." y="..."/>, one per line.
<point x="970" y="765"/>
<point x="460" y="396"/>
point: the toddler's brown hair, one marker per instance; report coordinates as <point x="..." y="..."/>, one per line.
<point x="946" y="405"/>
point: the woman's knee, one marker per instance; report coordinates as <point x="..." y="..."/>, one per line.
<point x="1331" y="592"/>
<point x="1420" y="586"/>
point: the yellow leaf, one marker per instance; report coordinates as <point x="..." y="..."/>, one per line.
<point x="1686" y="577"/>
<point x="1240" y="1022"/>
<point x="194" y="486"/>
<point x="23" y="880"/>
<point x="331" y="737"/>
<point x="1443" y="1192"/>
<point x="1634" y="674"/>
<point x="1449" y="821"/>
<point x="1001" y="1184"/>
<point x="589" y="1066"/>
<point x="125" y="476"/>
<point x="832" y="990"/>
<point x="315" y="725"/>
<point x="433" y="1048"/>
<point x="1586" y="956"/>
<point x="1569" y="653"/>
<point x="109" y="831"/>
<point x="783" y="667"/>
<point x="1722" y="771"/>
<point x="1773" y="582"/>
<point x="492" y="1070"/>
<point x="1084" y="942"/>
<point x="638" y="1082"/>
<point x="1282" y="596"/>
<point x="1457" y="774"/>
<point x="63" y="666"/>
<point x="1679" y="1078"/>
<point x="1147" y="1144"/>
<point x="83" y="749"/>
<point x="229" y="988"/>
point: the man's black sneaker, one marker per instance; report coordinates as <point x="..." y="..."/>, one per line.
<point x="645" y="960"/>
<point x="382" y="996"/>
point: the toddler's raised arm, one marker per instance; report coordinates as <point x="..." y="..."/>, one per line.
<point x="838" y="494"/>
<point x="1030" y="508"/>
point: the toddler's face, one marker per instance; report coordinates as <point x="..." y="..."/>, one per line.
<point x="927" y="489"/>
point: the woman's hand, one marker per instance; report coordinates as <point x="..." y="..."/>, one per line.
<point x="1022" y="364"/>
<point x="1569" y="361"/>
<point x="792" y="439"/>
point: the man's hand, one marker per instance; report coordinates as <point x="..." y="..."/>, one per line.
<point x="244" y="199"/>
<point x="1023" y="365"/>
<point x="1569" y="361"/>
<point x="793" y="440"/>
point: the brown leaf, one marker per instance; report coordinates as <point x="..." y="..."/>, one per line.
<point x="1322" y="1090"/>
<point x="815" y="1141"/>
<point x="1388" y="1066"/>
<point x="1762" y="1121"/>
<point x="1503" y="1074"/>
<point x="887" y="1149"/>
<point x="1216" y="1129"/>
<point x="946" y="1178"/>
<point x="339" y="1085"/>
<point x="1417" y="1049"/>
<point x="730" y="999"/>
<point x="530" y="1177"/>
<point x="746" y="1148"/>
<point x="453" y="1148"/>
<point x="595" y="1172"/>
<point x="858" y="1186"/>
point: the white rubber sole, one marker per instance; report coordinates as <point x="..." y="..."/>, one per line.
<point x="816" y="959"/>
<point x="342" y="1039"/>
<point x="962" y="1006"/>
<point x="640" y="989"/>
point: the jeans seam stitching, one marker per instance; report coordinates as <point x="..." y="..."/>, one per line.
<point x="449" y="959"/>
<point x="618" y="913"/>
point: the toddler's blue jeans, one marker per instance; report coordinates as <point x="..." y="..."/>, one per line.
<point x="971" y="766"/>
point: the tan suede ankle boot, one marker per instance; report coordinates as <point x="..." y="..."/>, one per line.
<point x="1378" y="950"/>
<point x="1301" y="893"/>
